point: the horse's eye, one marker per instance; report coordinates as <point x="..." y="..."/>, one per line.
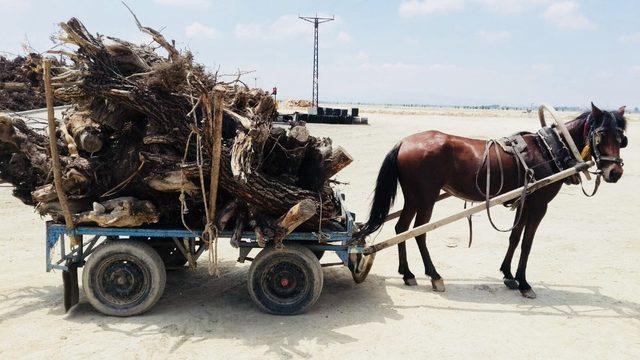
<point x="624" y="142"/>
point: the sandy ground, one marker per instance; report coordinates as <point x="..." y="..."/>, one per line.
<point x="584" y="266"/>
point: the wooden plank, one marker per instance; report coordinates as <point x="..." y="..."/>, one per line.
<point x="396" y="214"/>
<point x="500" y="199"/>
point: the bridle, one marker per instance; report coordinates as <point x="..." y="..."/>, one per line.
<point x="593" y="137"/>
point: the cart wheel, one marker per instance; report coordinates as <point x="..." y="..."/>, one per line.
<point x="124" y="278"/>
<point x="286" y="281"/>
<point x="360" y="265"/>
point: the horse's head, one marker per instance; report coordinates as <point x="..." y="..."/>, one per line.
<point x="604" y="134"/>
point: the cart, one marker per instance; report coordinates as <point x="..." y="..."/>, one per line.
<point x="125" y="269"/>
<point x="125" y="275"/>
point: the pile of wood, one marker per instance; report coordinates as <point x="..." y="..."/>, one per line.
<point x="298" y="104"/>
<point x="21" y="85"/>
<point x="136" y="146"/>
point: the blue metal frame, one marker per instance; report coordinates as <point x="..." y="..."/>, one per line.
<point x="57" y="233"/>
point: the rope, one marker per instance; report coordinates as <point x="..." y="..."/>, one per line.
<point x="210" y="233"/>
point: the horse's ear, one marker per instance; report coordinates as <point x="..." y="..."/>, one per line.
<point x="595" y="111"/>
<point x="621" y="110"/>
<point x="596" y="114"/>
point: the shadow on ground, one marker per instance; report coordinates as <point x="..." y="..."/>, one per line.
<point x="553" y="299"/>
<point x="196" y="307"/>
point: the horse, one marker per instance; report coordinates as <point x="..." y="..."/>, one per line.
<point x="428" y="162"/>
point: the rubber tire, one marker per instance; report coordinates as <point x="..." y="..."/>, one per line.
<point x="301" y="257"/>
<point x="146" y="257"/>
<point x="319" y="254"/>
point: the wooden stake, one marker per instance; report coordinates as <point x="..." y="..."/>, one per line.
<point x="55" y="156"/>
<point x="215" y="152"/>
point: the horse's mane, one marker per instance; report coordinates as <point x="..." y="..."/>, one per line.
<point x="621" y="121"/>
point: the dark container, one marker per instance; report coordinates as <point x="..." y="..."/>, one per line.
<point x="355" y="111"/>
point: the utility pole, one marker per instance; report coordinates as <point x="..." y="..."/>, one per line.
<point x="315" y="21"/>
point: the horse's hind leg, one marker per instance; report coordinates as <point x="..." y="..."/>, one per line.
<point x="423" y="216"/>
<point x="408" y="212"/>
<point x="514" y="239"/>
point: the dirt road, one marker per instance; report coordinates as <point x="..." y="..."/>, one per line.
<point x="585" y="266"/>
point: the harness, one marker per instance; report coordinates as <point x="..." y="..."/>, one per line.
<point x="555" y="150"/>
<point x="516" y="146"/>
<point x="594" y="138"/>
<point x="551" y="142"/>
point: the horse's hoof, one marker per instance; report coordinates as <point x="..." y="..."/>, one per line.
<point x="437" y="285"/>
<point x="410" y="282"/>
<point x="511" y="283"/>
<point x="529" y="293"/>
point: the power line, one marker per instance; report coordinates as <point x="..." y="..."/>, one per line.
<point x="315" y="21"/>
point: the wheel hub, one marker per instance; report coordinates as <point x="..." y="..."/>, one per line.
<point x="285" y="280"/>
<point x="123" y="282"/>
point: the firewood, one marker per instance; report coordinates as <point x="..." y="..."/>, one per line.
<point x="171" y="181"/>
<point x="142" y="124"/>
<point x="339" y="159"/>
<point x="120" y="212"/>
<point x="84" y="130"/>
<point x="297" y="215"/>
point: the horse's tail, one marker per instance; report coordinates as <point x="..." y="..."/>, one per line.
<point x="384" y="195"/>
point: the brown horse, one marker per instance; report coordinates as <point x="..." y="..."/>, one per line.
<point x="428" y="162"/>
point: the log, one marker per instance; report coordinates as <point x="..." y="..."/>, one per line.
<point x="297" y="215"/>
<point x="85" y="131"/>
<point x="270" y="195"/>
<point x="300" y="134"/>
<point x="171" y="182"/>
<point x="14" y="86"/>
<point x="120" y="212"/>
<point x="339" y="159"/>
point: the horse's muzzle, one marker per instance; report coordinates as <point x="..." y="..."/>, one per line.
<point x="613" y="174"/>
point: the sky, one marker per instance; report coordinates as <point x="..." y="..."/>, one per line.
<point x="438" y="52"/>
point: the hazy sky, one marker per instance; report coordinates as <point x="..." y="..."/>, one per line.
<point x="417" y="51"/>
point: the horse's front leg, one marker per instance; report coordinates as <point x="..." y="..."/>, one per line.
<point x="534" y="216"/>
<point x="514" y="240"/>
